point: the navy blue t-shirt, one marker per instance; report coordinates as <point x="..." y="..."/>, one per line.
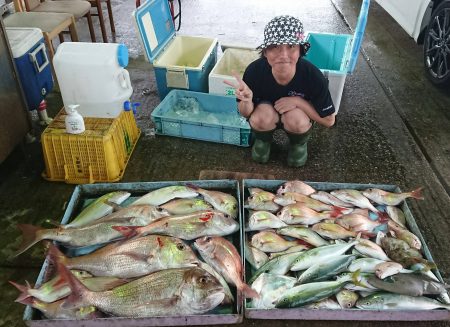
<point x="308" y="83"/>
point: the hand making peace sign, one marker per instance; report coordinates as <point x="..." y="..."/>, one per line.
<point x="243" y="92"/>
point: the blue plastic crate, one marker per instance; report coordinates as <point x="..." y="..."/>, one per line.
<point x="201" y="116"/>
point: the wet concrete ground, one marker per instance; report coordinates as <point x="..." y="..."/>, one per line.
<point x="393" y="128"/>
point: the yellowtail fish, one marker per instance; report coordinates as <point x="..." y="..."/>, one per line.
<point x="270" y="287"/>
<point x="176" y="291"/>
<point x="186" y="206"/>
<point x="296" y="186"/>
<point x="186" y="227"/>
<point x="303" y="233"/>
<point x="131" y="258"/>
<point x="221" y="254"/>
<point x="98" y="208"/>
<point x="390" y="198"/>
<point x="221" y="201"/>
<point x="326" y="270"/>
<point x="165" y="194"/>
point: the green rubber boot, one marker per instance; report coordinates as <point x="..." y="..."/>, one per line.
<point x="261" y="147"/>
<point x="298" y="149"/>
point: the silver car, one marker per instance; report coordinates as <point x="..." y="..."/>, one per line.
<point x="428" y="22"/>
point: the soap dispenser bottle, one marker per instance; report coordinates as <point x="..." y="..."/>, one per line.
<point x="74" y="121"/>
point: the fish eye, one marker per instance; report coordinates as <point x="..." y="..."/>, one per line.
<point x="180" y="246"/>
<point x="349" y="305"/>
<point x="203" y="279"/>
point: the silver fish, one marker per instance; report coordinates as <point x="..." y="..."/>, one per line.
<point x="366" y="265"/>
<point x="371" y="249"/>
<point x="270" y="287"/>
<point x="390" y="301"/>
<point x="98" y="208"/>
<point x="328" y="304"/>
<point x="325" y="270"/>
<point x="254" y="256"/>
<point x="279" y="265"/>
<point x="326" y="197"/>
<point x="165" y="194"/>
<point x="354" y="197"/>
<point x="409" y="284"/>
<point x="186" y="206"/>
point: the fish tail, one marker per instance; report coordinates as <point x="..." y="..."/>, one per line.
<point x="31" y="301"/>
<point x="23" y="291"/>
<point x="56" y="256"/>
<point x="78" y="292"/>
<point x="417" y="193"/>
<point x="127" y="231"/>
<point x="248" y="291"/>
<point x="192" y="186"/>
<point x="355" y="278"/>
<point x="29" y="237"/>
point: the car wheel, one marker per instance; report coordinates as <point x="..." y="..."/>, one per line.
<point x="436" y="47"/>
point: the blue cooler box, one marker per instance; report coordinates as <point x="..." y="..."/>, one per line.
<point x="180" y="62"/>
<point x="30" y="56"/>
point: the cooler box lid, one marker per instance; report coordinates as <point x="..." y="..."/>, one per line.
<point x="155" y="26"/>
<point x="22" y="39"/>
<point x="358" y="36"/>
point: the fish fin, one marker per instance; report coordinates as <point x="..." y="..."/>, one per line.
<point x="192" y="186"/>
<point x="248" y="291"/>
<point x="31" y="301"/>
<point x="56" y="256"/>
<point x="127" y="231"/>
<point x="76" y="298"/>
<point x="337" y="211"/>
<point x="355" y="278"/>
<point x="417" y="193"/>
<point x="29" y="237"/>
<point x="23" y="291"/>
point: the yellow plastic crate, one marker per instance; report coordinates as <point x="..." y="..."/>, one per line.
<point x="100" y="154"/>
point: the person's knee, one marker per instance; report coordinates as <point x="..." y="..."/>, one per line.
<point x="297" y="124"/>
<point x="264" y="117"/>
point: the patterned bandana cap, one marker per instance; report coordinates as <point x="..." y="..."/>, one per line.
<point x="283" y="30"/>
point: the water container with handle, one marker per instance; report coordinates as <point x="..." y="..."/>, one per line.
<point x="93" y="75"/>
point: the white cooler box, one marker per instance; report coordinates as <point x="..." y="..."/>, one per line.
<point x="233" y="60"/>
<point x="180" y="62"/>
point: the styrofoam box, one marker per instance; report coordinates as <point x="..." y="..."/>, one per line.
<point x="233" y="60"/>
<point x="216" y="118"/>
<point x="180" y="62"/>
<point x="33" y="66"/>
<point x="330" y="53"/>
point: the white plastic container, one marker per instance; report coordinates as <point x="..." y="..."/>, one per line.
<point x="233" y="60"/>
<point x="74" y="121"/>
<point x="93" y="76"/>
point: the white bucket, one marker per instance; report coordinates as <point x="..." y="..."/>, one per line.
<point x="92" y="75"/>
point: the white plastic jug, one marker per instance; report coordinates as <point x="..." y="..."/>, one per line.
<point x="93" y="76"/>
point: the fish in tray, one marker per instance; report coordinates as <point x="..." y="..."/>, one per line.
<point x="165" y="194"/>
<point x="102" y="206"/>
<point x="93" y="234"/>
<point x="296" y="186"/>
<point x="185" y="206"/>
<point x="391" y="301"/>
<point x="221" y="201"/>
<point x="169" y="292"/>
<point x="186" y="227"/>
<point x="388" y="198"/>
<point x="221" y="254"/>
<point x="131" y="258"/>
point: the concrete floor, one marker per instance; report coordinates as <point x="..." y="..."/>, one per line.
<point x="393" y="128"/>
